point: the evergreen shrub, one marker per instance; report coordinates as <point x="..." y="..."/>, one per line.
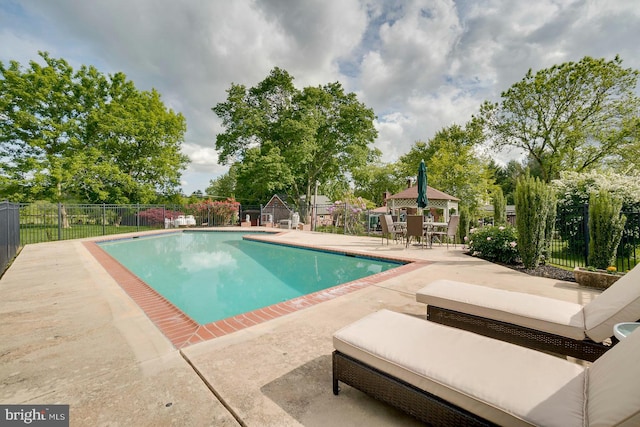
<point x="605" y="228"/>
<point x="499" y="208"/>
<point x="533" y="201"/>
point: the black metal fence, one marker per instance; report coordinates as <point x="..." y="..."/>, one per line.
<point x="43" y="222"/>
<point x="9" y="233"/>
<point x="570" y="244"/>
<point x="22" y="224"/>
<point x="338" y="218"/>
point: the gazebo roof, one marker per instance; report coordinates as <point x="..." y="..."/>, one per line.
<point x="432" y="194"/>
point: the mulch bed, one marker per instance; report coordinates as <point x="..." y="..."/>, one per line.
<point x="548" y="271"/>
<point x="545" y="271"/>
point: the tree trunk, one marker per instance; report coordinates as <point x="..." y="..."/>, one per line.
<point x="65" y="217"/>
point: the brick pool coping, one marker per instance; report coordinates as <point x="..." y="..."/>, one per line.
<point x="183" y="331"/>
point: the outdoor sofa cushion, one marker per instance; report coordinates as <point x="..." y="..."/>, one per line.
<point x="501" y="382"/>
<point x="619" y="303"/>
<point x="613" y="392"/>
<point x="531" y="311"/>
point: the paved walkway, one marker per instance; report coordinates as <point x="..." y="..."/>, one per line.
<point x="70" y="335"/>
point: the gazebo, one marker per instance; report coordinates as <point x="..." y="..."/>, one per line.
<point x="439" y="204"/>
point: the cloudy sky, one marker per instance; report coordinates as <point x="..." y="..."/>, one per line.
<point x="420" y="64"/>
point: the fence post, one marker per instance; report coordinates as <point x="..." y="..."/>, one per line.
<point x="59" y="221"/>
<point x="137" y="216"/>
<point x="6" y="203"/>
<point x="345" y="218"/>
<point x="585" y="219"/>
<point x="104" y="219"/>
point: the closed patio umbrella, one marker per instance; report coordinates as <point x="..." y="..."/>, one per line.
<point x="422" y="186"/>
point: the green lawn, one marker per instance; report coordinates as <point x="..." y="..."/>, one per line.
<point x="42" y="233"/>
<point x="562" y="257"/>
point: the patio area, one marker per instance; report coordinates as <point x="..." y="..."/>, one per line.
<point x="71" y="335"/>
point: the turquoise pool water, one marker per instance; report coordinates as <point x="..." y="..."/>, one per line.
<point x="215" y="275"/>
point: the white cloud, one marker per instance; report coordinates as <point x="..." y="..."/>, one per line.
<point x="420" y="64"/>
<point x="202" y="158"/>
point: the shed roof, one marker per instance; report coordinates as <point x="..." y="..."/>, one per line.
<point x="278" y="201"/>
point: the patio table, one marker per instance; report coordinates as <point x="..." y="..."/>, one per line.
<point x="428" y="226"/>
<point x="431" y="227"/>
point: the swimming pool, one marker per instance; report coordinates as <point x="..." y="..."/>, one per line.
<point x="216" y="275"/>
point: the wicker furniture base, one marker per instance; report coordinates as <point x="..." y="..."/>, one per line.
<point x="386" y="388"/>
<point x="538" y="340"/>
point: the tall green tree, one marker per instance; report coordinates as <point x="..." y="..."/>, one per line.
<point x="68" y="134"/>
<point x="373" y="181"/>
<point x="287" y="139"/>
<point x="506" y="177"/>
<point x="408" y="163"/>
<point x="454" y="165"/>
<point x="572" y="116"/>
<point x="224" y="186"/>
<point x="629" y="161"/>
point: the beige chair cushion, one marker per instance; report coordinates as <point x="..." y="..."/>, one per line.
<point x="501" y="382"/>
<point x="613" y="397"/>
<point x="532" y="311"/>
<point x="619" y="303"/>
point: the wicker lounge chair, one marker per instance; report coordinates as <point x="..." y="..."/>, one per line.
<point x="537" y="322"/>
<point x="448" y="377"/>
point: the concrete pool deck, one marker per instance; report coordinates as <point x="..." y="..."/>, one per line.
<point x="69" y="334"/>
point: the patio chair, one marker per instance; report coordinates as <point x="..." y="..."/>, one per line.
<point x="542" y="323"/>
<point x="448" y="377"/>
<point x="388" y="228"/>
<point x="415" y="229"/>
<point x="450" y="233"/>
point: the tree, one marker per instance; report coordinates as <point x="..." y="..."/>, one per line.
<point x="224" y="186"/>
<point x="372" y="181"/>
<point x="261" y="174"/>
<point x="336" y="188"/>
<point x="68" y="134"/>
<point x="630" y="156"/>
<point x="287" y="139"/>
<point x="571" y="116"/>
<point x="408" y="163"/>
<point x="506" y="177"/>
<point x="454" y="165"/>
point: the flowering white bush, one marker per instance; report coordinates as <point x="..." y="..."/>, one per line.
<point x="574" y="188"/>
